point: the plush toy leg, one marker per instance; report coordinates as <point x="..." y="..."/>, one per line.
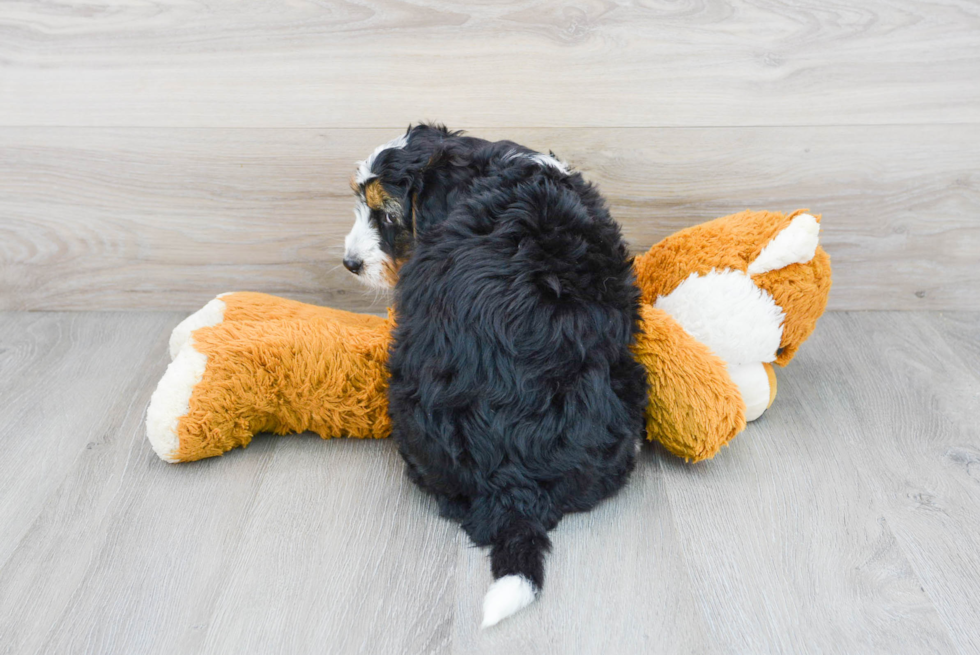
<point x="306" y="368"/>
<point x="738" y="322"/>
<point x="694" y="406"/>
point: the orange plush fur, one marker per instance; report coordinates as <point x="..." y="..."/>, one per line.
<point x="732" y="242"/>
<point x="280" y="366"/>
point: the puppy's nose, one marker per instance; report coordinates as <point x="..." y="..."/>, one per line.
<point x="353" y="265"/>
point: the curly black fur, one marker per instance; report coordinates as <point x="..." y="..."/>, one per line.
<point x="514" y="396"/>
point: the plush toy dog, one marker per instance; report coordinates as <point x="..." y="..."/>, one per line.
<point x="722" y="302"/>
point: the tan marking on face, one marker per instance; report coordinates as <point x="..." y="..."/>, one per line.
<point x="375" y="194"/>
<point x="390" y="271"/>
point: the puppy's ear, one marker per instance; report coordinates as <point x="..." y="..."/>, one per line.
<point x="430" y="200"/>
<point x="438" y="184"/>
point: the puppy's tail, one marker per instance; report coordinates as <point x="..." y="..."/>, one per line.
<point x="517" y="561"/>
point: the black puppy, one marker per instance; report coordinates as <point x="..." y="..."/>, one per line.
<point x="514" y="396"/>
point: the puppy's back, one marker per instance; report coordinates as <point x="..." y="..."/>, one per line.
<point x="514" y="395"/>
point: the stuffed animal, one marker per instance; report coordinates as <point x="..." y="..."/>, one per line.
<point x="722" y="301"/>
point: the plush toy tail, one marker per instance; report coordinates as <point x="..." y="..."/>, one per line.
<point x="517" y="561"/>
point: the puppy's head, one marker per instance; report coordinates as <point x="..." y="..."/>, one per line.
<point x="389" y="203"/>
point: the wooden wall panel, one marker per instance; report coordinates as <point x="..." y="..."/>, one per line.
<point x="382" y="63"/>
<point x="161" y="218"/>
<point x="153" y="154"/>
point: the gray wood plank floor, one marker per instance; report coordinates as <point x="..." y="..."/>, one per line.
<point x="846" y="520"/>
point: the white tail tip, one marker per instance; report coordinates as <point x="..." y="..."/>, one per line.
<point x="506" y="596"/>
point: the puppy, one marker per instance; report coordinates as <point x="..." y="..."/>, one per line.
<point x="514" y="396"/>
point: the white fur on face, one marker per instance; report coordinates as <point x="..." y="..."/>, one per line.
<point x="364" y="167"/>
<point x="364" y="243"/>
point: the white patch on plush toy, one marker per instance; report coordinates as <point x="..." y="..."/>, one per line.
<point x="753" y="383"/>
<point x="506" y="596"/>
<point x="796" y="244"/>
<point x="172" y="397"/>
<point x="172" y="400"/>
<point x="727" y="312"/>
<point x="209" y="315"/>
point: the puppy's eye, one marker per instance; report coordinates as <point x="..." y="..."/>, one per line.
<point x="388" y="219"/>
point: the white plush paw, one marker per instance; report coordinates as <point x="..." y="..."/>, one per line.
<point x="172" y="397"/>
<point x="171" y="400"/>
<point x="753" y="383"/>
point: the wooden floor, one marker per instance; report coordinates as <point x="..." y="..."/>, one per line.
<point x="846" y="520"/>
